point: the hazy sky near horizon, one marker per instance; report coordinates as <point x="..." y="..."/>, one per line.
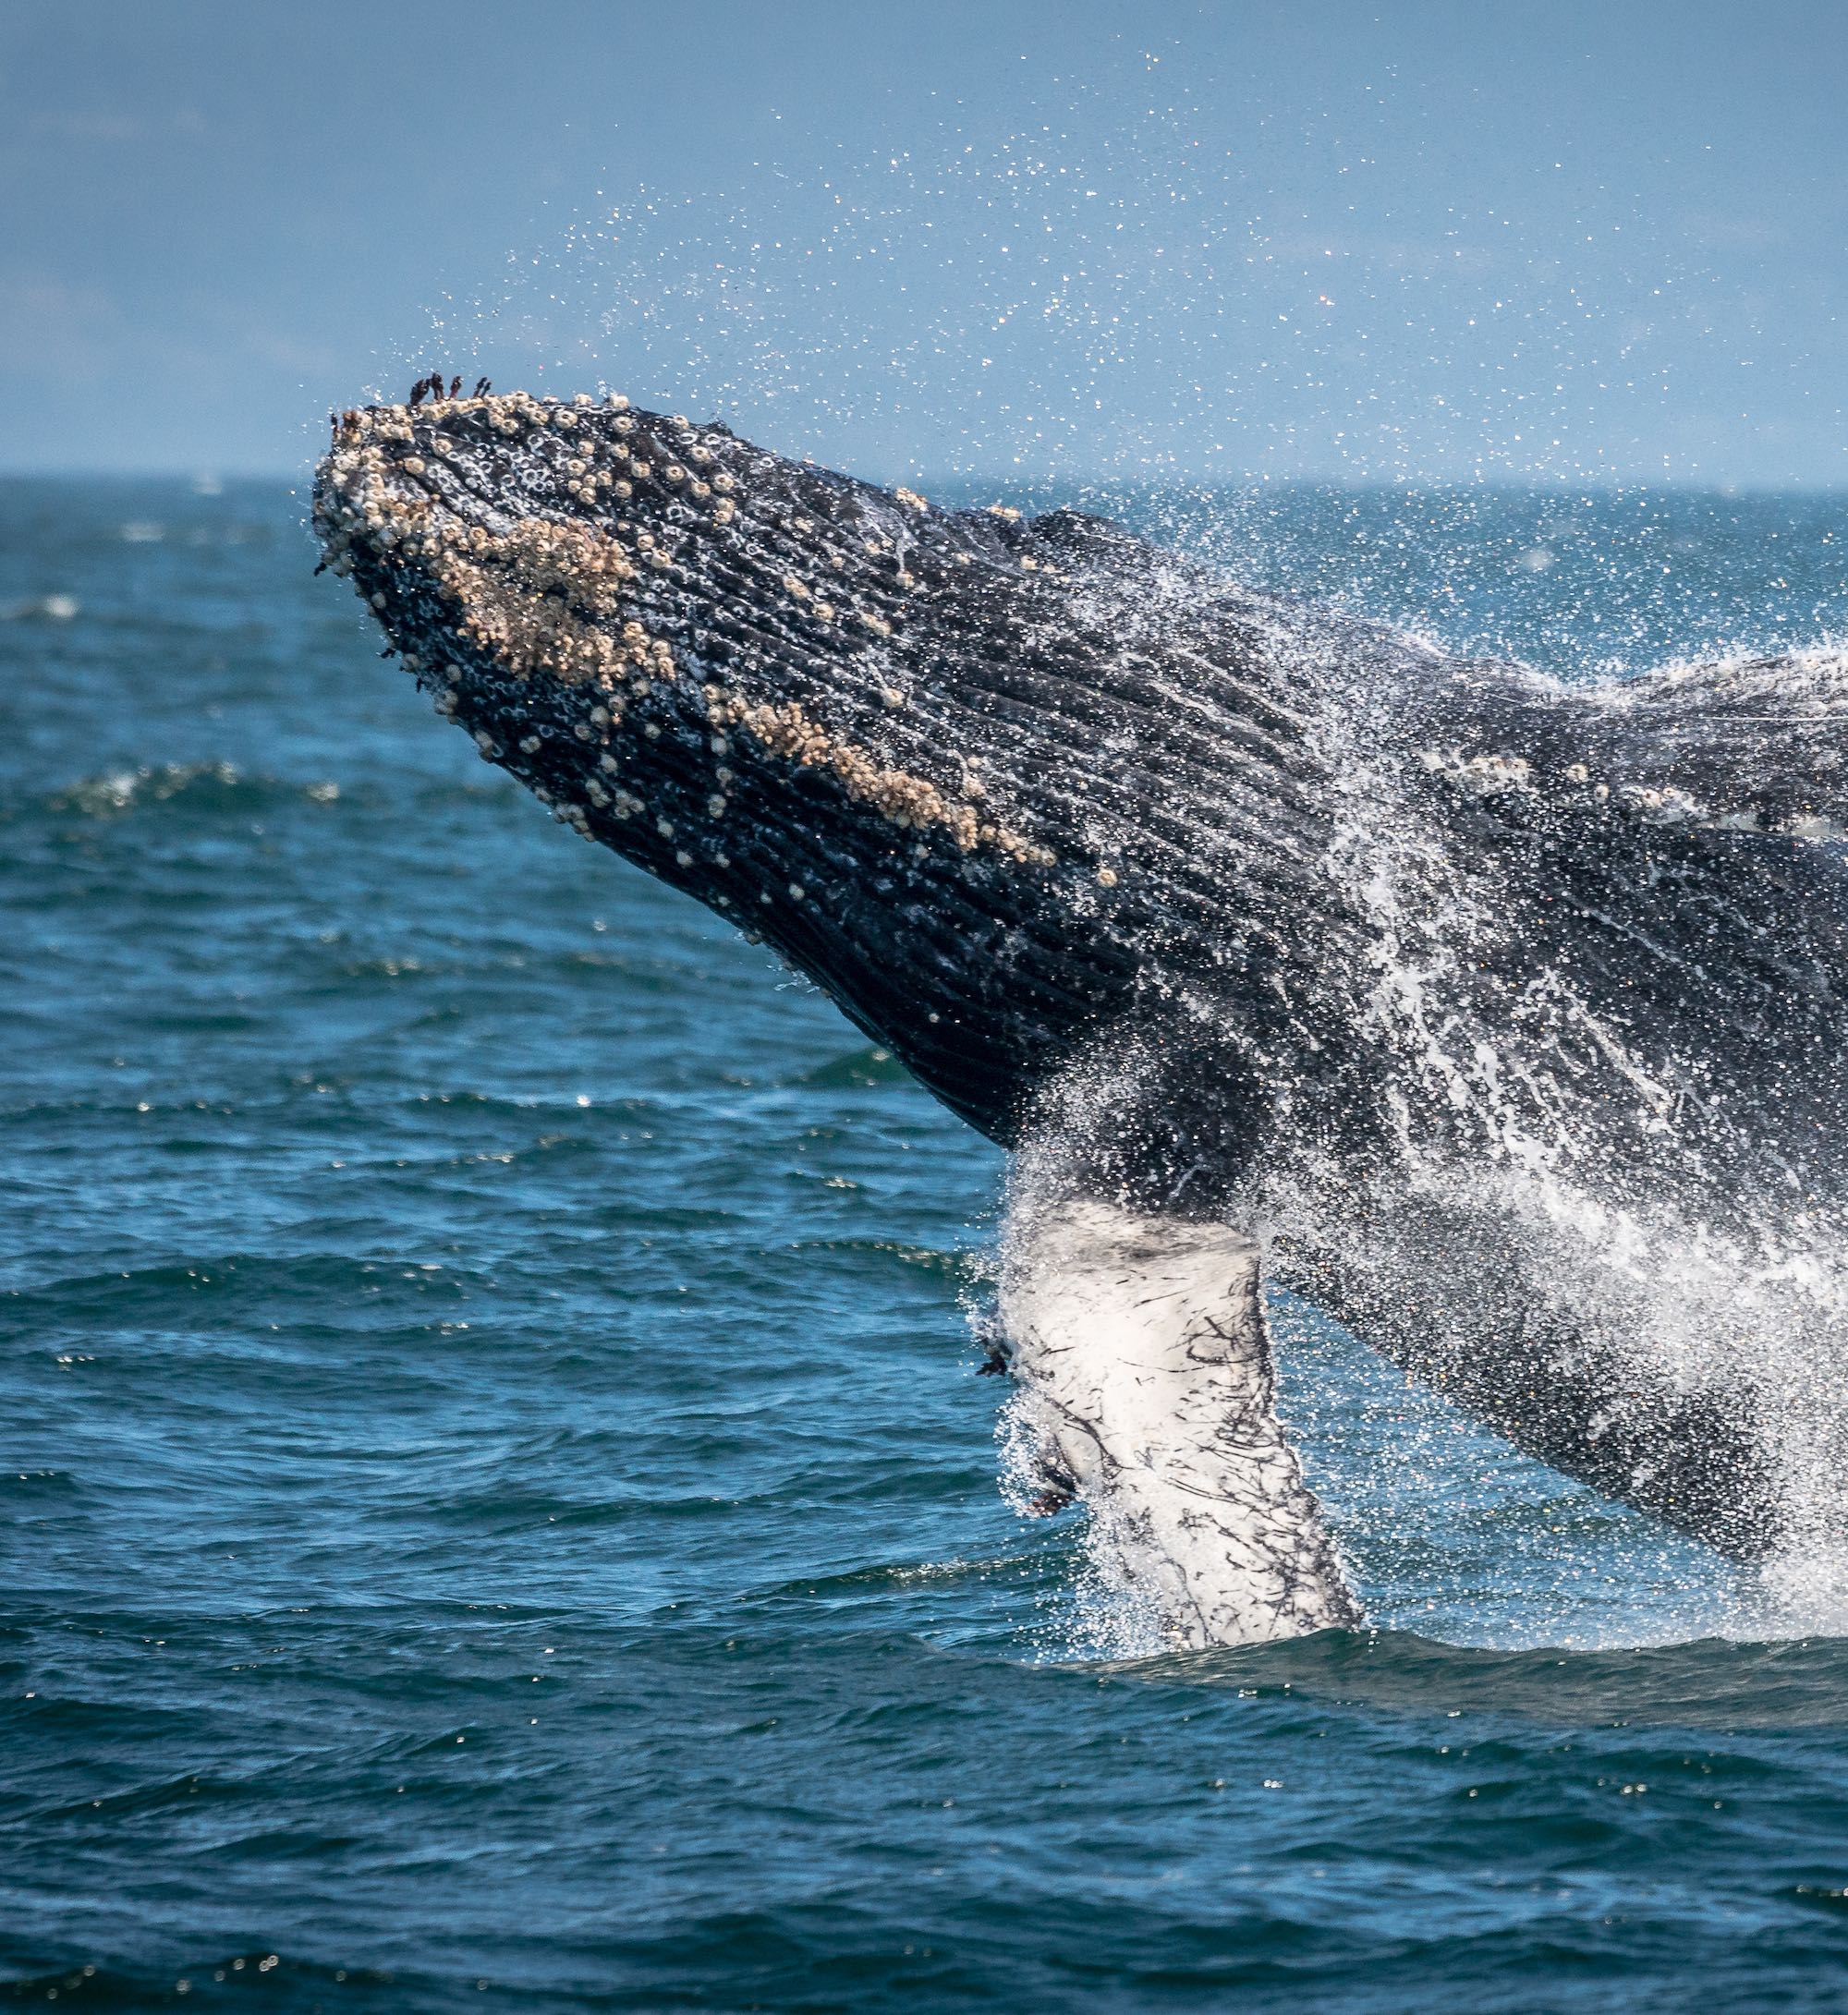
<point x="1061" y="241"/>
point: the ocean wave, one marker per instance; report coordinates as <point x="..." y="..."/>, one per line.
<point x="220" y="786"/>
<point x="40" y="608"/>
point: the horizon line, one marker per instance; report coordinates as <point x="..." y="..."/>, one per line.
<point x="1602" y="485"/>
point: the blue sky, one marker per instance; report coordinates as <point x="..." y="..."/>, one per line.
<point x="1586" y="242"/>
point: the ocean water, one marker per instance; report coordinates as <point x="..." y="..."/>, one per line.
<point x="499" y="1508"/>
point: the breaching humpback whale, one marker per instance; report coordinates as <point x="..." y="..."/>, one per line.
<point x="1501" y="1017"/>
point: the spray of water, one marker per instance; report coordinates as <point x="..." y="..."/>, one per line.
<point x="1134" y="273"/>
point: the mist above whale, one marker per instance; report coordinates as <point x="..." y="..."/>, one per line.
<point x="1505" y="1015"/>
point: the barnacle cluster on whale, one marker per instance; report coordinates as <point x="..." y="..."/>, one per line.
<point x="555" y="596"/>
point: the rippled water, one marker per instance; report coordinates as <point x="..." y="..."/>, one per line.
<point x="498" y="1505"/>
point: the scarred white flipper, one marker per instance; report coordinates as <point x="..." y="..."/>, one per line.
<point x="1146" y="1389"/>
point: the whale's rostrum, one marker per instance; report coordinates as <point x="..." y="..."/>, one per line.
<point x="1501" y="1014"/>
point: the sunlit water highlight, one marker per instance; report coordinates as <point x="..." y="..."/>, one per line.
<point x="496" y="1485"/>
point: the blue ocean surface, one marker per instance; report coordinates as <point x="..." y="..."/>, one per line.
<point x="499" y="1508"/>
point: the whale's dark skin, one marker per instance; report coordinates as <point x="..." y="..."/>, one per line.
<point x="1095" y="841"/>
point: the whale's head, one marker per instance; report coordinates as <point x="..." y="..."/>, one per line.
<point x="848" y="721"/>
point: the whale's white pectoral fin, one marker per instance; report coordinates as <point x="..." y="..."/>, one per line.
<point x="1146" y="1376"/>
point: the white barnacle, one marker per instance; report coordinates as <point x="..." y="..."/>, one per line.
<point x="529" y="745"/>
<point x="583" y="730"/>
<point x="607" y="761"/>
<point x="664" y="826"/>
<point x="652" y="729"/>
<point x="683" y="857"/>
<point x="797" y="892"/>
<point x="715" y="806"/>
